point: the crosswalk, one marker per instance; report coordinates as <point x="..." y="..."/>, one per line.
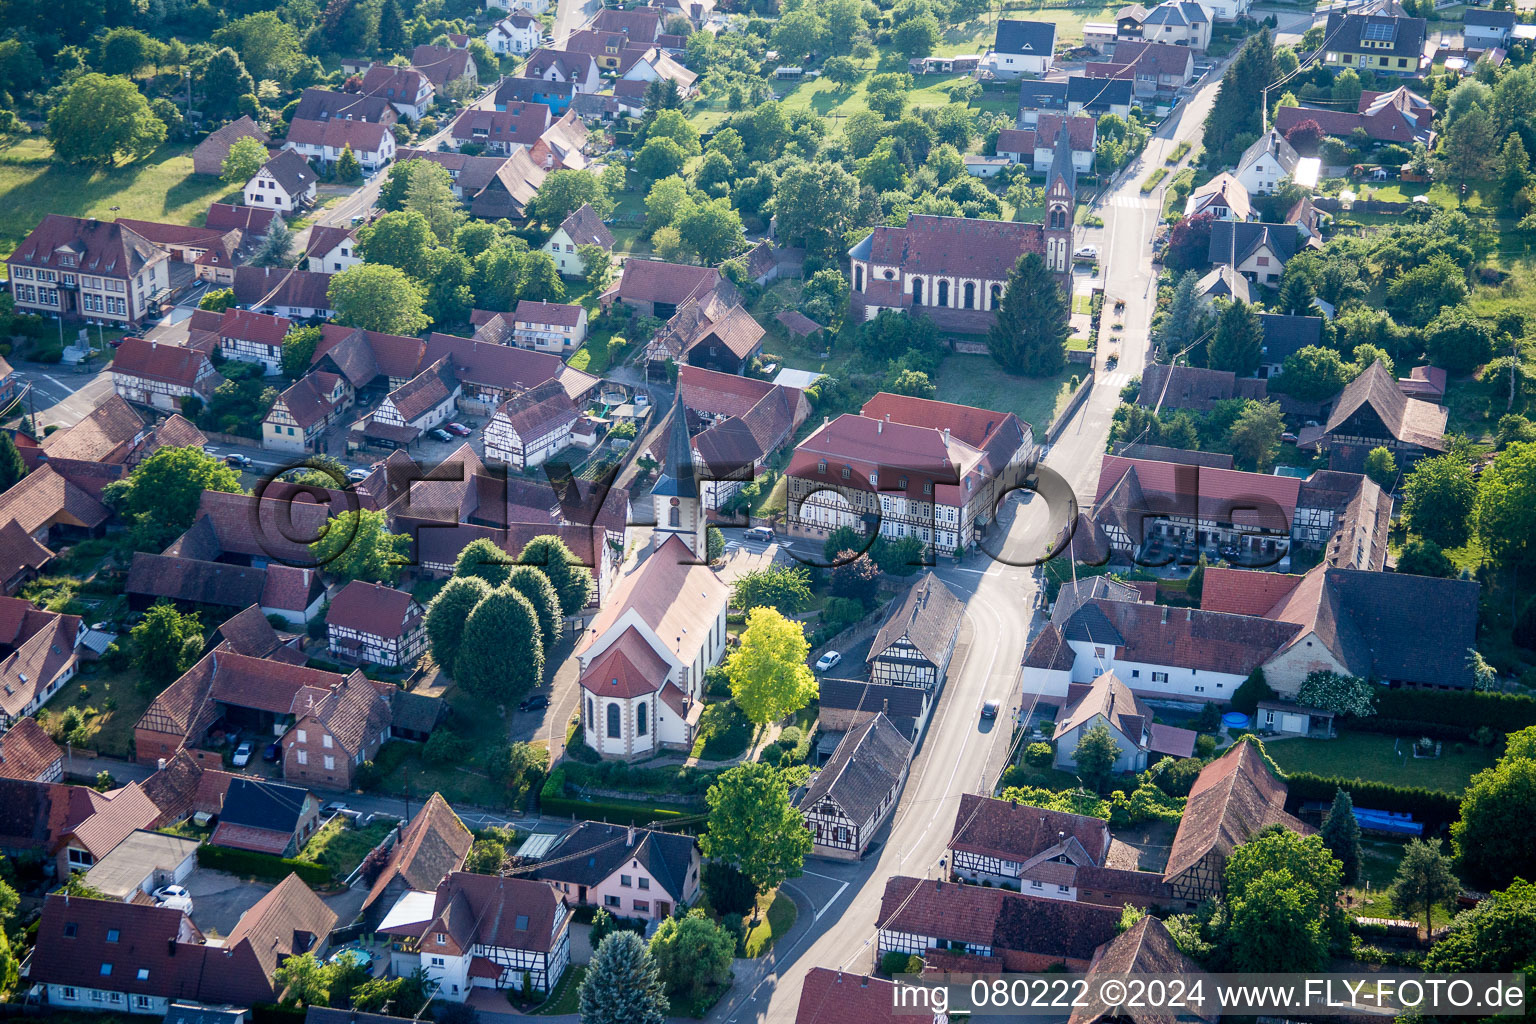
<point x="1131" y="202"/>
<point x="1116" y="380"/>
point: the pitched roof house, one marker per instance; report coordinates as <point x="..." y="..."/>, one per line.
<point x="209" y="155"/>
<point x="375" y="624"/>
<point x="1145" y="948"/>
<point x="1373" y="412"/>
<point x="488" y="931"/>
<point x="429" y="849"/>
<point x="27" y="752"/>
<point x="632" y="872"/>
<point x="1109" y="702"/>
<point x="84" y="267"/>
<point x="266" y="817"/>
<point x="43" y="659"/>
<point x="162" y="376"/>
<point x="857" y="790"/>
<point x="839" y="997"/>
<point x="285" y="182"/>
<point x="530" y="428"/>
<point x="581" y="226"/>
<point x="1256" y="250"/>
<point x="1385" y="43"/>
<point x="914" y="643"/>
<point x="298" y="294"/>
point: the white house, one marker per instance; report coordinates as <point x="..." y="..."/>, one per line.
<point x="630" y="872"/>
<point x="162" y="376"/>
<point x="857" y="790"/>
<point x="324" y="141"/>
<point x="518" y="33"/>
<point x="549" y="326"/>
<point x="408" y="90"/>
<point x="331" y="249"/>
<point x="1267" y="164"/>
<point x="422" y="402"/>
<point x="286" y="182"/>
<point x="1110" y="703"/>
<point x="531" y="427"/>
<point x="1227" y="10"/>
<point x="578" y="69"/>
<point x="254" y="338"/>
<point x="581" y="227"/>
<point x="1022" y="48"/>
<point x="376" y="625"/>
<point x="493" y="932"/>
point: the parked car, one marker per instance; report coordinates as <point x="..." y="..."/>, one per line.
<point x="243" y="754"/>
<point x="537" y="702"/>
<point x="828" y="661"/>
<point x="759" y="533"/>
<point x="458" y="429"/>
<point x="237" y="460"/>
<point x="1086" y="252"/>
<point x="439" y="434"/>
<point x="1288" y="437"/>
<point x="210" y="450"/>
<point x="174" y="896"/>
<point x="991" y="708"/>
<point x="358" y="474"/>
<point x="271" y="753"/>
<point x="336" y="807"/>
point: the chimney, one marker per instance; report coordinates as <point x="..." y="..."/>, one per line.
<point x="938" y="885"/>
<point x="946" y="438"/>
<point x="887" y="417"/>
<point x="160" y="764"/>
<point x="879" y="426"/>
<point x="1165" y="615"/>
<point x="170" y="946"/>
<point x="629" y="836"/>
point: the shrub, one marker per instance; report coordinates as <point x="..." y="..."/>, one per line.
<point x="445" y="747"/>
<point x="1503" y="712"/>
<point x="553" y="800"/>
<point x="1178" y="777"/>
<point x="894" y="963"/>
<point x="1039" y="754"/>
<point x="1205" y="746"/>
<point x="261" y="865"/>
<point x="790" y="737"/>
<point x="729" y="891"/>
<point x="1209" y="719"/>
<point x="1430" y="806"/>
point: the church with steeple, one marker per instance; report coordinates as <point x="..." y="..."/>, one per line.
<point x="955" y="269"/>
<point x="676" y="499"/>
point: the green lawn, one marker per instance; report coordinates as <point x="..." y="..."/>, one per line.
<point x="1378" y="867"/>
<point x="976" y="380"/>
<point x="161" y="188"/>
<point x="112" y="703"/>
<point x="1370" y="756"/>
<point x="341" y="847"/>
<point x="778" y="918"/>
<point x="567" y="997"/>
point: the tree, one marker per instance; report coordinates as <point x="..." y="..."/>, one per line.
<point x="799" y="32"/>
<point x="1506" y="505"/>
<point x="482" y="557"/>
<point x="1497" y="935"/>
<point x="267" y="44"/>
<point x="693" y="955"/>
<point x="1306" y="136"/>
<point x="572" y="580"/>
<point x="357" y="545"/>
<point x="1421" y="557"/>
<point x="768" y="674"/>
<point x="377" y="297"/>
<point x="917" y="37"/>
<point x="1273" y="928"/>
<point x="401" y="239"/>
<point x="1341" y="834"/>
<point x="348" y="168"/>
<point x="815" y="204"/>
<point x="1514" y="169"/>
<point x="786" y="588"/>
<point x="503" y="622"/>
<point x="1459" y="341"/>
<point x="712" y="229"/>
<point x="299" y="351"/>
<point x="12" y="468"/>
<point x="566" y="191"/>
<point x="1343" y="695"/>
<point x="911" y="382"/>
<point x="1185" y="319"/>
<point x="165" y="642"/>
<point x="1189" y="243"/>
<point x="486" y="856"/>
<point x="1381" y="467"/>
<point x="1254" y="689"/>
<point x="597" y="263"/>
<point x="1439" y="496"/>
<point x="126" y="51"/>
<point x="392" y="36"/>
<point x="840" y="71"/>
<point x="541" y="279"/>
<point x="1312" y="374"/>
<point x="824" y="296"/>
<point x="540" y="594"/>
<point x="1235" y="115"/>
<point x="1239" y="340"/>
<point x="102" y="119"/>
<point x="429" y="192"/>
<point x="276" y="246"/>
<point x="1418" y="295"/>
<point x="1470" y="144"/>
<point x="163" y="493"/>
<point x="1029" y="333"/>
<point x="1495" y="840"/>
<point x="448" y="613"/>
<point x="753" y="826"/>
<point x="217" y="301"/>
<point x="1298" y="296"/>
<point x="1311" y="873"/>
<point x="304" y="979"/>
<point x="245" y="158"/>
<point x="1095" y="755"/>
<point x="622" y="984"/>
<point x="659" y="158"/>
<point x="1424" y="878"/>
<point x="1255" y="436"/>
<point x="224" y="79"/>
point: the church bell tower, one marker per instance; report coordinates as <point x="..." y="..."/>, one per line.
<point x="675" y="499"/>
<point x="1060" y="204"/>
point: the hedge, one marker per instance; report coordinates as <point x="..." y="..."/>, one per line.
<point x="261" y="865"/>
<point x="554" y="800"/>
<point x="1429" y="806"/>
<point x="1468" y="709"/>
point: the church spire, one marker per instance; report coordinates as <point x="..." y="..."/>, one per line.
<point x="676" y="479"/>
<point x="1061" y="161"/>
<point x="675" y="498"/>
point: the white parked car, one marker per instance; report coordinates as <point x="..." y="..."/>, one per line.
<point x="1087" y="252"/>
<point x="828" y="661"/>
<point x="176" y="897"/>
<point x="357" y="474"/>
<point x="243" y="754"/>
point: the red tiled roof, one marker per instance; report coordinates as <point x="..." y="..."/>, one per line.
<point x="290" y="588"/>
<point x="278" y="286"/>
<point x="307" y="399"/>
<point x="835" y="997"/>
<point x="536" y="412"/>
<point x="558" y="314"/>
<point x="73" y="945"/>
<point x="289" y="920"/>
<point x="123" y="812"/>
<point x="170" y="364"/>
<point x="1017" y="832"/>
<point x="362" y="136"/>
<point x="1156" y="58"/>
<point x="1234" y="796"/>
<point x="363" y="355"/>
<point x="709" y="392"/>
<point x="954" y="246"/>
<point x="1223" y="495"/>
<point x="226" y="216"/>
<point x="1006" y="921"/>
<point x="105" y="435"/>
<point x="671" y="283"/>
<point x="44" y="498"/>
<point x="370" y="608"/>
<point x="629" y="668"/>
<point x="27" y="752"/>
<point x="1244" y="591"/>
<point x="430" y="848"/>
<point x="494" y="908"/>
<point x="18" y="551"/>
<point x="40" y="659"/>
<point x="430" y="388"/>
<point x="519" y="125"/>
<point x="261" y="328"/>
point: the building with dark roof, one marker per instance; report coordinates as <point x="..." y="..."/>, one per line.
<point x="631" y="872"/>
<point x="210" y="154"/>
<point x="1384" y="43"/>
<point x="1373" y="412"/>
<point x="1235" y="797"/>
<point x="1015" y="931"/>
<point x="297" y="294"/>
<point x="855" y="792"/>
<point x="1022" y="47"/>
<point x="429" y="849"/>
<point x="488" y="931"/>
<point x="87" y="268"/>
<point x="914" y="644"/>
<point x="1145" y="948"/>
<point x="1256" y="250"/>
<point x="266" y="817"/>
<point x="1109" y="702"/>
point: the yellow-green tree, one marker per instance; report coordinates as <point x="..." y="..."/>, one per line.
<point x="768" y="674"/>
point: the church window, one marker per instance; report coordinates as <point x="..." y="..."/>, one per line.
<point x="969" y="301"/>
<point x="640" y="720"/>
<point x="997" y="294"/>
<point x="674" y="516"/>
<point x="858" y="278"/>
<point x="613" y="722"/>
<point x="917" y="291"/>
<point x="943" y="293"/>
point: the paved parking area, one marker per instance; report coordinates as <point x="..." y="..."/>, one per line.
<point x="219" y="899"/>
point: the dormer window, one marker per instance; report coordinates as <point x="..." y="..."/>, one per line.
<point x="442" y="939"/>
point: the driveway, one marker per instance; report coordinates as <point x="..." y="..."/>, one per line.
<point x="219" y="899"/>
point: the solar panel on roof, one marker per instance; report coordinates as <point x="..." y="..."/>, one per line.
<point x="1378" y="30"/>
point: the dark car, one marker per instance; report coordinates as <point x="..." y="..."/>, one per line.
<point x="238" y="461"/>
<point x="439" y="434"/>
<point x="272" y="753"/>
<point x="535" y="703"/>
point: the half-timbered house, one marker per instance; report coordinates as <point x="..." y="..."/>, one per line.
<point x="917" y="639"/>
<point x="1146" y="948"/>
<point x="1234" y="797"/>
<point x="1372" y="412"/>
<point x="853" y="795"/>
<point x="377" y="625"/>
<point x="162" y="376"/>
<point x="310" y="406"/>
<point x="488" y="931"/>
<point x="531" y="427"/>
<point x="254" y="338"/>
<point x="492" y="373"/>
<point x="418" y="405"/>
